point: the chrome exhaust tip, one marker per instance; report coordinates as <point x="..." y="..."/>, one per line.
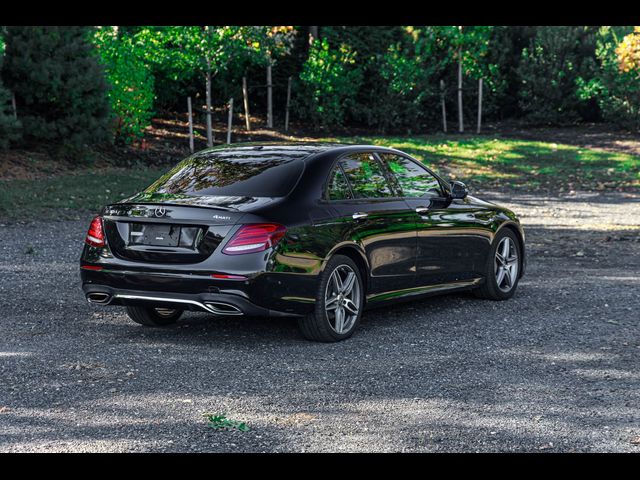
<point x="220" y="308"/>
<point x="99" y="298"/>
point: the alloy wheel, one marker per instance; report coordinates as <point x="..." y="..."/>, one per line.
<point x="342" y="299"/>
<point x="506" y="264"/>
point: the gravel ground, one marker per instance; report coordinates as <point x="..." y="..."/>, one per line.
<point x="556" y="368"/>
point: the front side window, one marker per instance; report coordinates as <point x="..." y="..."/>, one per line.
<point x="414" y="180"/>
<point x="365" y="176"/>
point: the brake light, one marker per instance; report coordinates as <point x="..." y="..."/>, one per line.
<point x="255" y="238"/>
<point x="95" y="235"/>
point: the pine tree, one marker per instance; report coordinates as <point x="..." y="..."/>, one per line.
<point x="59" y="85"/>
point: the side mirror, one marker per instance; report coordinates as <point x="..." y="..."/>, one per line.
<point x="459" y="190"/>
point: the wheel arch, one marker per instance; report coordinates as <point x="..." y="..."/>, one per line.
<point x="354" y="252"/>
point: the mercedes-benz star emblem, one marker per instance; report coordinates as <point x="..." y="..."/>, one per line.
<point x="160" y="212"/>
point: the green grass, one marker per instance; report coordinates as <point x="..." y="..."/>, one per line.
<point x="65" y="196"/>
<point x="219" y="421"/>
<point x="517" y="164"/>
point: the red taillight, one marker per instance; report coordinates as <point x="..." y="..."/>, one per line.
<point x="95" y="235"/>
<point x="254" y="238"/>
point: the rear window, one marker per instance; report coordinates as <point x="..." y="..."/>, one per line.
<point x="238" y="172"/>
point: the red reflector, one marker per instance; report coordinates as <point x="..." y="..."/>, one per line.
<point x="91" y="267"/>
<point x="95" y="235"/>
<point x="255" y="238"/>
<point x="225" y="276"/>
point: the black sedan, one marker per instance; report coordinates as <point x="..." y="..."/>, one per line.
<point x="314" y="231"/>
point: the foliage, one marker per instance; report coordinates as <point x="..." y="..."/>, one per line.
<point x="132" y="88"/>
<point x="628" y="52"/>
<point x="9" y="126"/>
<point x="58" y="83"/>
<point x="616" y="89"/>
<point x="330" y="82"/>
<point x="221" y="422"/>
<point x="549" y="70"/>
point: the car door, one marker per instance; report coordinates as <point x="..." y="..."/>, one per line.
<point x="375" y="217"/>
<point x="450" y="242"/>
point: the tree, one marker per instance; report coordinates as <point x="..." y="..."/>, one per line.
<point x="208" y="50"/>
<point x="329" y="82"/>
<point x="615" y="86"/>
<point x="131" y="93"/>
<point x="9" y="125"/>
<point x="58" y="83"/>
<point x="549" y="71"/>
<point x="268" y="43"/>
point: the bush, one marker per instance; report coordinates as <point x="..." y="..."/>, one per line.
<point x="131" y="93"/>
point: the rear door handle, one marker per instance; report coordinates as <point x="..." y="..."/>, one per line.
<point x="422" y="210"/>
<point x="359" y="215"/>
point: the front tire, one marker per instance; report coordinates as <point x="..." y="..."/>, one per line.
<point x="339" y="303"/>
<point x="154" y="317"/>
<point x="502" y="271"/>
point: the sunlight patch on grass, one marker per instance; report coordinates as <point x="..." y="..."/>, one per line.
<point x="515" y="162"/>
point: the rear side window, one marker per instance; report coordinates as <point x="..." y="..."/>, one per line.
<point x="338" y="188"/>
<point x="237" y="172"/>
<point x="365" y="176"/>
<point x="414" y="180"/>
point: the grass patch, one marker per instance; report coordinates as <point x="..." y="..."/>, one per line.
<point x="518" y="164"/>
<point x="65" y="196"/>
<point x="221" y="422"/>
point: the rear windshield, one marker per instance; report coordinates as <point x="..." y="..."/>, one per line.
<point x="238" y="172"/>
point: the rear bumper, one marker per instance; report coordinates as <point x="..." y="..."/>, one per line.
<point x="215" y="303"/>
<point x="260" y="294"/>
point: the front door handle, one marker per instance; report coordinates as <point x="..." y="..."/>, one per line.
<point x="359" y="215"/>
<point x="422" y="210"/>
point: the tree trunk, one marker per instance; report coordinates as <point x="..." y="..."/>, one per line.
<point x="479" y="105"/>
<point x="230" y="121"/>
<point x="245" y="95"/>
<point x="460" y="120"/>
<point x="269" y="96"/>
<point x="444" y="108"/>
<point x="208" y="86"/>
<point x="191" y="148"/>
<point x="313" y="34"/>
<point x="286" y="115"/>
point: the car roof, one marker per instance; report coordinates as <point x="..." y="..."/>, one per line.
<point x="292" y="150"/>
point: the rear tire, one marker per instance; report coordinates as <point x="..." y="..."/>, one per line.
<point x="502" y="271"/>
<point x="339" y="303"/>
<point x="154" y="317"/>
